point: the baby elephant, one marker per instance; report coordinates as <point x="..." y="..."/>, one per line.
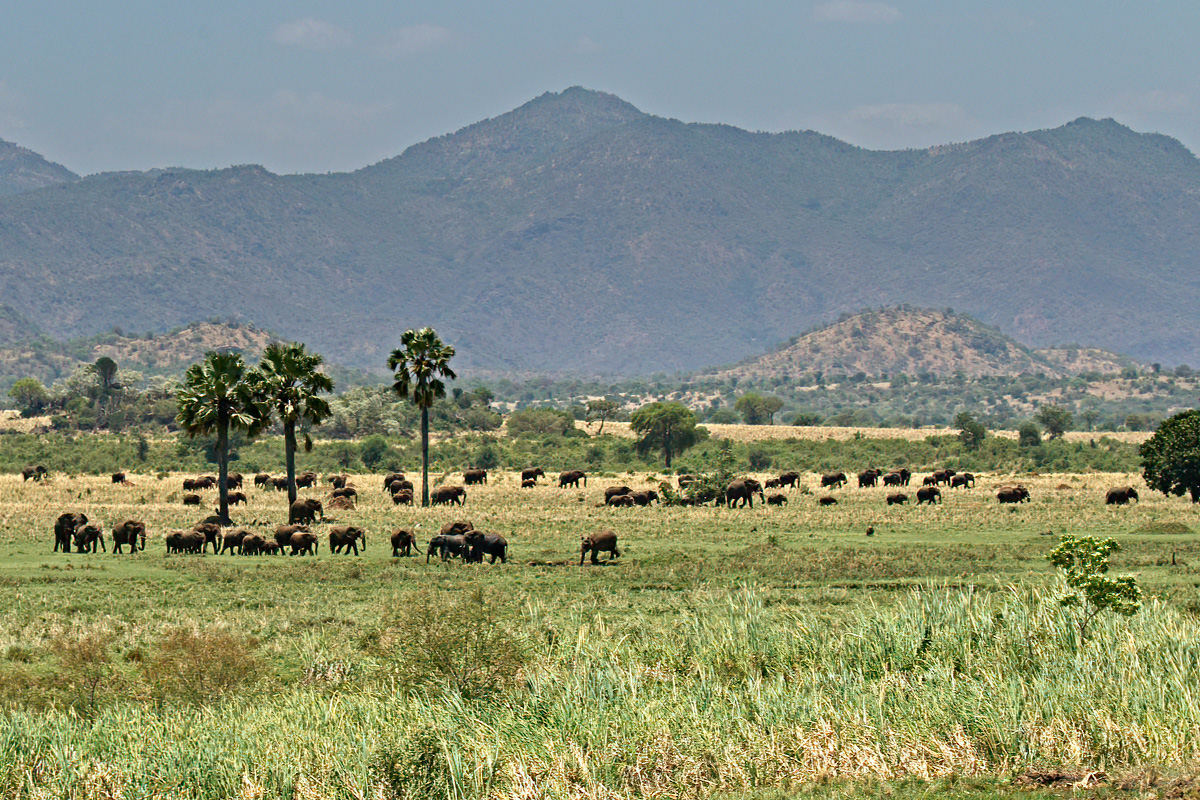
<point x="487" y="544"/>
<point x="828" y="500"/>
<point x="603" y="541"/>
<point x="777" y="500"/>
<point x="897" y="499"/>
<point x="402" y="543"/>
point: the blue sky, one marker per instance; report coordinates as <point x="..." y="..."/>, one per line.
<point x="313" y="86"/>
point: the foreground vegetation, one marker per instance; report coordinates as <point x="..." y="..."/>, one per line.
<point x="726" y="653"/>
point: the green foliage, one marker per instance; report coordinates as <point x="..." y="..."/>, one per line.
<point x="669" y="427"/>
<point x="31" y="397"/>
<point x="970" y="431"/>
<point x="290" y="383"/>
<point x="1055" y="419"/>
<point x="757" y="409"/>
<point x="601" y="410"/>
<point x="758" y="458"/>
<point x="1171" y="457"/>
<point x="1084" y="564"/>
<point x="419" y="364"/>
<point x="1029" y="434"/>
<point x="539" y="422"/>
<point x="372" y="451"/>
<point x="201" y="666"/>
<point x="807" y="419"/>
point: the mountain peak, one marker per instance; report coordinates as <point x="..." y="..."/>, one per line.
<point x="22" y="169"/>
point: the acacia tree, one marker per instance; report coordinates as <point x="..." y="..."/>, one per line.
<point x="1055" y="419"/>
<point x="217" y="394"/>
<point x="971" y="431"/>
<point x="1171" y="457"/>
<point x="602" y="410"/>
<point x="669" y="427"/>
<point x="290" y="383"/>
<point x="417" y="364"/>
<point x="757" y="409"/>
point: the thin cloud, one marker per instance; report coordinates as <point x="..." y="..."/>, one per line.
<point x="312" y="34"/>
<point x="413" y="40"/>
<point x="857" y="12"/>
<point x="586" y="46"/>
<point x="894" y="126"/>
<point x="1156" y="101"/>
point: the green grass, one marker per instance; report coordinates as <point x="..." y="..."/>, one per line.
<point x="728" y="653"/>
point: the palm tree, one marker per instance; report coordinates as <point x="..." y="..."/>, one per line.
<point x="219" y="394"/>
<point x="290" y="382"/>
<point x="417" y="363"/>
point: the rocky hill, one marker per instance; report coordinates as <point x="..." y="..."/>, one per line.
<point x="22" y="170"/>
<point x="578" y="233"/>
<point x="890" y="341"/>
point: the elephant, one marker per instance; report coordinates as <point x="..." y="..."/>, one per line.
<point x="345" y="491"/>
<point x="1120" y="495"/>
<point x="615" y="491"/>
<point x="777" y="500"/>
<point x="446" y="546"/>
<point x="448" y="495"/>
<point x="262" y="479"/>
<point x="279" y="484"/>
<point x="185" y="542"/>
<point x="211" y="531"/>
<point x="348" y="537"/>
<point x="963" y="480"/>
<point x="827" y="500"/>
<point x="894" y="479"/>
<point x="191" y="499"/>
<point x="833" y="480"/>
<point x="487" y="544"/>
<point x="131" y="532"/>
<point x="401" y="485"/>
<point x="36" y="472"/>
<point x="1012" y="494"/>
<point x="303" y="543"/>
<point x="620" y="501"/>
<point x="270" y="548"/>
<point x="929" y="494"/>
<point x="459" y="527"/>
<point x="236" y="498"/>
<point x="869" y="478"/>
<point x="255" y="543"/>
<point x="389" y="478"/>
<point x="234" y="481"/>
<point x="743" y="489"/>
<point x="402" y="543"/>
<point x="532" y="474"/>
<point x="337" y="481"/>
<point x="283" y="533"/>
<point x="897" y="499"/>
<point x="305" y="511"/>
<point x="118" y="477"/>
<point x="772" y="483"/>
<point x="87" y="537"/>
<point x="929" y="480"/>
<point x="474" y="476"/>
<point x="596" y="543"/>
<point x="64" y="530"/>
<point x="645" y="498"/>
<point x="403" y="497"/>
<point x="233" y="540"/>
<point x="306" y="480"/>
<point x="528" y="483"/>
<point x="572" y="478"/>
<point x="943" y="476"/>
<point x="789" y="479"/>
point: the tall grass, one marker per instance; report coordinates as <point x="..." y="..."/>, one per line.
<point x="943" y="681"/>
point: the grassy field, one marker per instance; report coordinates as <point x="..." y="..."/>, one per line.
<point x="757" y="652"/>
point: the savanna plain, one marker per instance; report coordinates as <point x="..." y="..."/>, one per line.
<point x="768" y="652"/>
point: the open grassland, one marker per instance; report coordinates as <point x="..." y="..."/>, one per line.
<point x="727" y="653"/>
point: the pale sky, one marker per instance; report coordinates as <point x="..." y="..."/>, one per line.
<point x="313" y="86"/>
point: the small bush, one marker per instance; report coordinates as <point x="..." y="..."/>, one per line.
<point x="200" y="666"/>
<point x="758" y="458"/>
<point x="415" y="766"/>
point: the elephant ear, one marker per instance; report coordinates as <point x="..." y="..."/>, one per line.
<point x="308" y="444"/>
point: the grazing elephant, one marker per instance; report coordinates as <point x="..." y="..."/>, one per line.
<point x="337" y="481"/>
<point x="789" y="479"/>
<point x="869" y="478"/>
<point x="459" y="527"/>
<point x="306" y="480"/>
<point x="303" y="543"/>
<point x="348" y="537"/>
<point x="1120" y="495"/>
<point x="403" y="498"/>
<point x="532" y="474"/>
<point x="1012" y="494"/>
<point x="528" y="483"/>
<point x="572" y="478"/>
<point x="191" y="499"/>
<point x="234" y="480"/>
<point x="118" y="477"/>
<point x="448" y="495"/>
<point x="772" y="483"/>
<point x="834" y="480"/>
<point x="929" y="494"/>
<point x="403" y="542"/>
<point x="487" y="544"/>
<point x="37" y="473"/>
<point x="284" y="533"/>
<point x="64" y="530"/>
<point x="234" y="540"/>
<point x="401" y="485"/>
<point x="211" y="531"/>
<point x="645" y="498"/>
<point x="777" y="500"/>
<point x="131" y="532"/>
<point x="345" y="491"/>
<point x="237" y="498"/>
<point x="620" y="501"/>
<point x="262" y="480"/>
<point x="827" y="500"/>
<point x="897" y="499"/>
<point x="964" y="480"/>
<point x="615" y="491"/>
<point x="596" y="543"/>
<point x="474" y="476"/>
<point x="446" y="546"/>
<point x="390" y="478"/>
<point x="743" y="489"/>
<point x="87" y="537"/>
<point x="303" y="512"/>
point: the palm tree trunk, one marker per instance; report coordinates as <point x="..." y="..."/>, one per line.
<point x="223" y="467"/>
<point x="289" y="454"/>
<point x="424" y="456"/>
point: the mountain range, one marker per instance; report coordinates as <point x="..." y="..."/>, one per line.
<point x="577" y="233"/>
